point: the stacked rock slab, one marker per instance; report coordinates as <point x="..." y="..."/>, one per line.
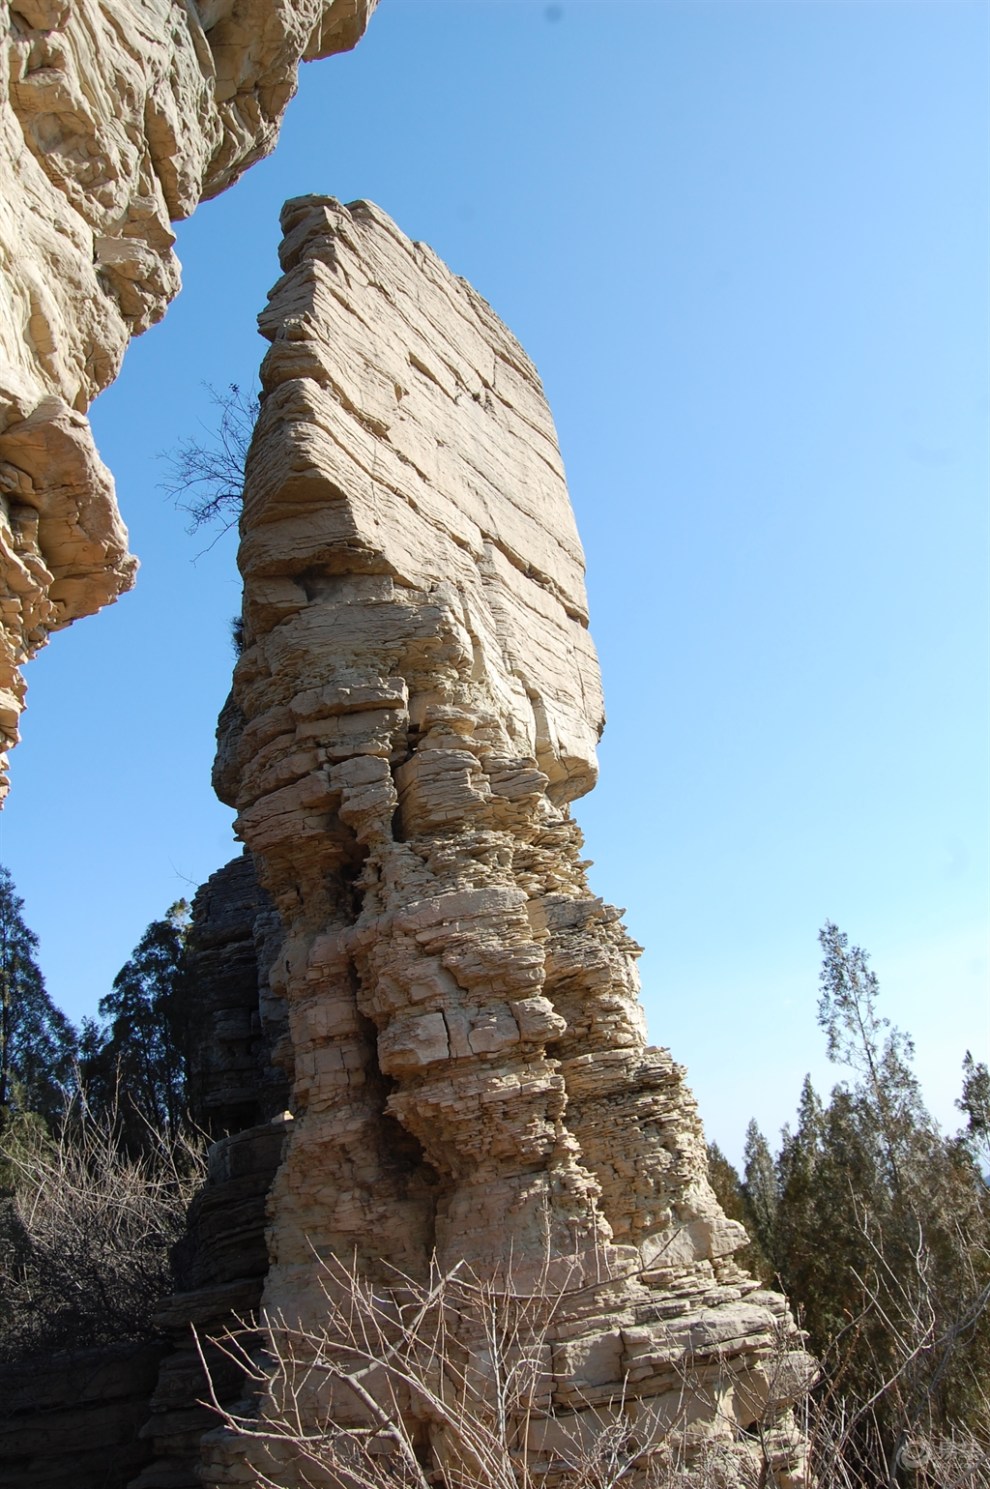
<point x="116" y="118"/>
<point x="417" y="702"/>
<point x="238" y="1098"/>
<point x="72" y="1419"/>
<point x="236" y="1023"/>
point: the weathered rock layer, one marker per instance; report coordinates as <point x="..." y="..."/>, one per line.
<point x="239" y="1099"/>
<point x="417" y="703"/>
<point x="72" y="1420"/>
<point x="116" y="118"/>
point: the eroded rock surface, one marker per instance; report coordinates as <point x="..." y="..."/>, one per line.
<point x="417" y="703"/>
<point x="116" y="118"/>
<point x="72" y="1419"/>
<point x="237" y="1024"/>
<point x="238" y="1098"/>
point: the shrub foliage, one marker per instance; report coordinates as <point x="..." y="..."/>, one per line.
<point x="877" y="1226"/>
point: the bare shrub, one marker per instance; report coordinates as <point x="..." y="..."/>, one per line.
<point x="352" y="1402"/>
<point x="847" y="1451"/>
<point x="206" y="476"/>
<point x="87" y="1232"/>
<point x="450" y="1383"/>
<point x="899" y="1430"/>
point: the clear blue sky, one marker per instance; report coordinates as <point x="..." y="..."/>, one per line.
<point x="746" y="245"/>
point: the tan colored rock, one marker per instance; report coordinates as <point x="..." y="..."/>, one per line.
<point x="116" y="118"/>
<point x="417" y="703"/>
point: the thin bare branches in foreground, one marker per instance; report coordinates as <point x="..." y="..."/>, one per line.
<point x="88" y="1231"/>
<point x="449" y="1385"/>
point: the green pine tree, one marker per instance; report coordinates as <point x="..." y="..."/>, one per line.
<point x="37" y="1041"/>
<point x="730" y="1193"/>
<point x="883" y="1229"/>
<point x="141" y="1063"/>
<point x="975" y="1102"/>
<point x="759" y="1190"/>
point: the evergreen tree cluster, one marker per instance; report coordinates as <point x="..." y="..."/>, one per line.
<point x="873" y="1222"/>
<point x="132" y="1061"/>
<point x="98" y="1162"/>
<point x="877" y="1227"/>
<point x="137" y="1060"/>
<point x="37" y="1042"/>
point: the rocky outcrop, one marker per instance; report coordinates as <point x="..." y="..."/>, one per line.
<point x="72" y="1420"/>
<point x="116" y="118"/>
<point x="226" y="1261"/>
<point x="238" y="1097"/>
<point x="417" y="702"/>
<point x="237" y="1023"/>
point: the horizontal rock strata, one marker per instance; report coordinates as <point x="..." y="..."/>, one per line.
<point x="238" y="1097"/>
<point x="417" y="703"/>
<point x="237" y="1023"/>
<point x="116" y="118"/>
<point x="72" y="1420"/>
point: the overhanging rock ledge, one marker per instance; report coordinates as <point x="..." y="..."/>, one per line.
<point x="116" y="118"/>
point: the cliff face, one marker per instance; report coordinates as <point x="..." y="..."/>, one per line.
<point x="116" y="118"/>
<point x="73" y="1420"/>
<point x="236" y="1024"/>
<point x="417" y="703"/>
<point x="234" y="1094"/>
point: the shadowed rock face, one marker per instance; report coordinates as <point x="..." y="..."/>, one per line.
<point x="417" y="702"/>
<point x="116" y="118"/>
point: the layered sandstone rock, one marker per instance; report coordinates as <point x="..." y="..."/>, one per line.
<point x="72" y="1419"/>
<point x="238" y="1098"/>
<point x="116" y="118"/>
<point x="237" y="1024"/>
<point x="417" y="703"/>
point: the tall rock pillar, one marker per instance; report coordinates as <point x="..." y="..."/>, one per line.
<point x="417" y="702"/>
